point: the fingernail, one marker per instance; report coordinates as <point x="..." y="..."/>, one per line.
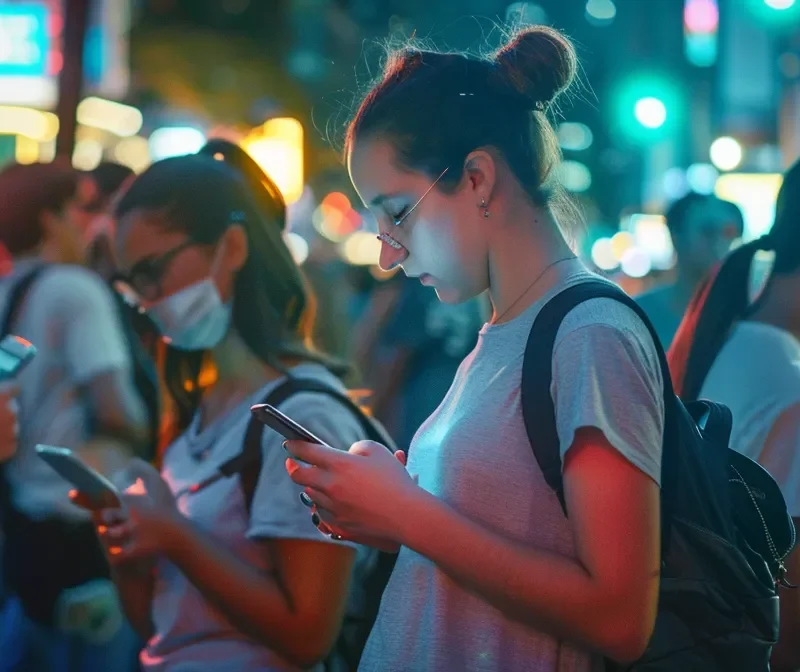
<point x="306" y="500"/>
<point x="315" y="519"/>
<point x="285" y="446"/>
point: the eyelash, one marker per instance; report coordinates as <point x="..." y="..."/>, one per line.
<point x="396" y="219"/>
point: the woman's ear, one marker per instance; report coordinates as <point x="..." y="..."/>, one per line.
<point x="235" y="248"/>
<point x="481" y="171"/>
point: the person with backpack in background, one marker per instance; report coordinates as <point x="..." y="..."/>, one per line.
<point x="567" y="502"/>
<point x="739" y="345"/>
<point x="703" y="228"/>
<point x="230" y="575"/>
<point x="77" y="393"/>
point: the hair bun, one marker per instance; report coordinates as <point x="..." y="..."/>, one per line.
<point x="538" y="63"/>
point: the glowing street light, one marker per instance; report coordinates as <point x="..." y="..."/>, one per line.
<point x="277" y="146"/>
<point x="650" y="112"/>
<point x="726" y="153"/>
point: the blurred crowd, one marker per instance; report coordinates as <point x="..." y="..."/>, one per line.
<point x="164" y="305"/>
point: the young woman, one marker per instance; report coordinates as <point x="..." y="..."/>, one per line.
<point x="455" y="156"/>
<point x="741" y="347"/>
<point x="209" y="586"/>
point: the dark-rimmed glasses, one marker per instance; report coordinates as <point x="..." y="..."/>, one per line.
<point x="145" y="276"/>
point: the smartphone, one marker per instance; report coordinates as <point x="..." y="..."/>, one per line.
<point x="284" y="425"/>
<point x="78" y="473"/>
<point x="15" y="354"/>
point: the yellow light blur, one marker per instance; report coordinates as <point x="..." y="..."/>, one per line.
<point x="361" y="249"/>
<point x="277" y="146"/>
<point x="33" y="124"/>
<point x="755" y="194"/>
<point x="621" y="242"/>
<point x="107" y="115"/>
<point x="133" y="152"/>
<point x="26" y="150"/>
<point x="87" y="155"/>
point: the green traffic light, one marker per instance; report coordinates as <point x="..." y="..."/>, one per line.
<point x="777" y="14"/>
<point x="646" y="108"/>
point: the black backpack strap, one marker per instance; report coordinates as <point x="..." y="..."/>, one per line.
<point x="538" y="411"/>
<point x="19" y="290"/>
<point x="20" y="287"/>
<point x="248" y="463"/>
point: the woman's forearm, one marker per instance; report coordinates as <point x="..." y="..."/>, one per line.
<point x="135" y="587"/>
<point x="252" y="600"/>
<point x="543" y="589"/>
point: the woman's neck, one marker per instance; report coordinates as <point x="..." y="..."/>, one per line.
<point x="523" y="260"/>
<point x="239" y="374"/>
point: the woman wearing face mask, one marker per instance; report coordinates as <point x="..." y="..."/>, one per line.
<point x="209" y="586"/>
<point x="454" y="155"/>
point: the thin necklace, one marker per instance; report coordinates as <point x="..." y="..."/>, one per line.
<point x="530" y="287"/>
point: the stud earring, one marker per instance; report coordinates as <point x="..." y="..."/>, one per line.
<point x="485" y="208"/>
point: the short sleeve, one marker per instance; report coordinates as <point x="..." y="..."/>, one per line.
<point x="606" y="375"/>
<point x="82" y="309"/>
<point x="277" y="511"/>
<point x="781" y="456"/>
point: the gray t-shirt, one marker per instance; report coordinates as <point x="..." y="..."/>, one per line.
<point x="70" y="316"/>
<point x="474" y="453"/>
<point x="190" y="634"/>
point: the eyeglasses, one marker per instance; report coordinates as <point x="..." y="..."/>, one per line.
<point x="145" y="276"/>
<point x="397" y="221"/>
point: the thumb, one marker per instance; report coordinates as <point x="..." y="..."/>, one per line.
<point x="366" y="448"/>
<point x="136" y="471"/>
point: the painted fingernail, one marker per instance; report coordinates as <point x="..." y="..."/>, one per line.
<point x="306" y="500"/>
<point x="315" y="519"/>
<point x="336" y="537"/>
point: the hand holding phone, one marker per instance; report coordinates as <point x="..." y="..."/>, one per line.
<point x="284" y="425"/>
<point x="85" y="479"/>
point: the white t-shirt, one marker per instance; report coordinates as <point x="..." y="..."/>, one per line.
<point x="190" y="634"/>
<point x="70" y="316"/>
<point x="474" y="453"/>
<point x="757" y="375"/>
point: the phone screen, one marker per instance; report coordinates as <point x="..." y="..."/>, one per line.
<point x="15" y="353"/>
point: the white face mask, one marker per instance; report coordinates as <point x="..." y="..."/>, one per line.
<point x="194" y="318"/>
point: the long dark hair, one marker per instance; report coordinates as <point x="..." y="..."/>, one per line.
<point x="724" y="297"/>
<point x="273" y="308"/>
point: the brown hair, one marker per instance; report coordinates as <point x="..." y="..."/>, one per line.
<point x="435" y="108"/>
<point x="26" y="193"/>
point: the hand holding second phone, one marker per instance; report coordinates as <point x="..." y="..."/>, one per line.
<point x="141" y="528"/>
<point x="361" y="495"/>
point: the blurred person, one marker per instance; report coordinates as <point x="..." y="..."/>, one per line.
<point x="209" y="582"/>
<point x="410" y="347"/>
<point x="97" y="189"/>
<point x="702" y="229"/>
<point x="739" y="345"/>
<point x="77" y="393"/>
<point x="454" y="153"/>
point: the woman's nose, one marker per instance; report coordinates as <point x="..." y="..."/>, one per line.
<point x="392" y="253"/>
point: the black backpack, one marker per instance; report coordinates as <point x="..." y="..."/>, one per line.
<point x="725" y="527"/>
<point x="346" y="654"/>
